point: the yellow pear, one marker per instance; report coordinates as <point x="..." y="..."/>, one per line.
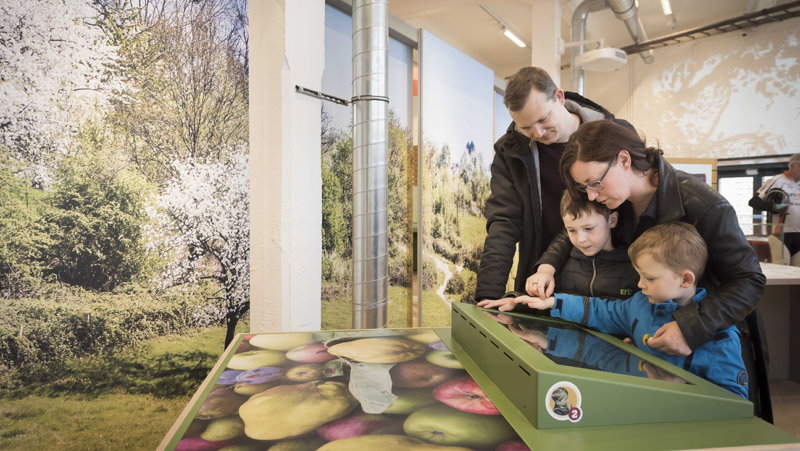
<point x="386" y="442"/>
<point x="379" y="350"/>
<point x="282" y="341"/>
<point x="292" y="410"/>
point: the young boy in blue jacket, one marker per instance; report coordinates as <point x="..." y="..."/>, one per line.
<point x="669" y="258"/>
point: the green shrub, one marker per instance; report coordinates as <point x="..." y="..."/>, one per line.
<point x="455" y="285"/>
<point x="72" y="322"/>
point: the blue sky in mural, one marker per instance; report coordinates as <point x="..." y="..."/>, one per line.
<point x="501" y="117"/>
<point x="337" y="78"/>
<point x="457" y="100"/>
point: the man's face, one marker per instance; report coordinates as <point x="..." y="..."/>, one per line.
<point x="541" y="119"/>
<point x="794" y="170"/>
<point x="590" y="232"/>
<point x="657" y="281"/>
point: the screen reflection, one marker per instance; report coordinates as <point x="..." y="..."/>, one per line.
<point x="570" y="345"/>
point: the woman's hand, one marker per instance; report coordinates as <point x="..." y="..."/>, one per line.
<point x="542" y="284"/>
<point x="670" y="339"/>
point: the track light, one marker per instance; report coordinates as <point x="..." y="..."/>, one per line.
<point x="506" y="29"/>
<point x="666" y="7"/>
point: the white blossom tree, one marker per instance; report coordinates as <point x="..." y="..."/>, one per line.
<point x="52" y="75"/>
<point x="204" y="230"/>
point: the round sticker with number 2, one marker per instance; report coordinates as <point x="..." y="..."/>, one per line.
<point x="563" y="402"/>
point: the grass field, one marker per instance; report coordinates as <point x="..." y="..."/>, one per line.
<point x="127" y="400"/>
<point x="338" y="313"/>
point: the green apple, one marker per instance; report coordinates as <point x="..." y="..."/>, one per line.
<point x="251" y="389"/>
<point x="254" y="359"/>
<point x="385" y="442"/>
<point x="448" y="426"/>
<point x="307" y="442"/>
<point x="443" y="358"/>
<point x="220" y="403"/>
<point x="428" y="336"/>
<point x="409" y="400"/>
<point x="282" y="341"/>
<point x="223" y="429"/>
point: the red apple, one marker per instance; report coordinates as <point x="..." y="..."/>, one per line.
<point x="463" y="393"/>
<point x="360" y="424"/>
<point x="310" y="353"/>
<point x="512" y="446"/>
<point x="419" y="373"/>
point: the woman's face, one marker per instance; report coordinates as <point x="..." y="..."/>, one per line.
<point x="615" y="190"/>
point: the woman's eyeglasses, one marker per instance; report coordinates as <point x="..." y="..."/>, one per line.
<point x="598" y="185"/>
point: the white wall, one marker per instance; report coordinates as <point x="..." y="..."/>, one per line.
<point x="286" y="49"/>
<point x="730" y="95"/>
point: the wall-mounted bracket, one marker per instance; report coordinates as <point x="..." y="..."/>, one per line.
<point x="320" y="95"/>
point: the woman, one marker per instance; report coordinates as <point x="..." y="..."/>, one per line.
<point x="609" y="163"/>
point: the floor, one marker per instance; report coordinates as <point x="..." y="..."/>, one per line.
<point x="785" y="396"/>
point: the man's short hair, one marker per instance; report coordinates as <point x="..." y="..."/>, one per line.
<point x="581" y="206"/>
<point x="794" y="159"/>
<point x="519" y="87"/>
<point x="676" y="245"/>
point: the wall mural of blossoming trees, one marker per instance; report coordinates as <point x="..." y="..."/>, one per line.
<point x="123" y="172"/>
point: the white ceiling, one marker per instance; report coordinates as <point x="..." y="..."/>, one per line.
<point x="466" y="26"/>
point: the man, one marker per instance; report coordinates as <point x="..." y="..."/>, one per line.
<point x="780" y="197"/>
<point x="523" y="206"/>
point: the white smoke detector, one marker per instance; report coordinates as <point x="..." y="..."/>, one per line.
<point x="601" y="60"/>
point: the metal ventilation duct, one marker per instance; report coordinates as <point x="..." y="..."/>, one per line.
<point x="625" y="10"/>
<point x="370" y="144"/>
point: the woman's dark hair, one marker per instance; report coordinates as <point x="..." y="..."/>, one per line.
<point x="601" y="141"/>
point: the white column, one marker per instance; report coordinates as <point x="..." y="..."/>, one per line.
<point x="286" y="49"/>
<point x="546" y="19"/>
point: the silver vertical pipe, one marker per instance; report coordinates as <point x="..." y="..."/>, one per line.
<point x="579" y="18"/>
<point x="370" y="146"/>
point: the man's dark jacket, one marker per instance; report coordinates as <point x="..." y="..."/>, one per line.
<point x="513" y="209"/>
<point x="733" y="275"/>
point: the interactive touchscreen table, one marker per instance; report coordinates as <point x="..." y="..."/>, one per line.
<point x="491" y="382"/>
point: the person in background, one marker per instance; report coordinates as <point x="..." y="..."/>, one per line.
<point x="670" y="259"/>
<point x="525" y="184"/>
<point x="780" y="198"/>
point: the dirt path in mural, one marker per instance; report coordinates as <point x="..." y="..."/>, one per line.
<point x="442" y="266"/>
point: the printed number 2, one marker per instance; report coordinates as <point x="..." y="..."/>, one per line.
<point x="574" y="414"/>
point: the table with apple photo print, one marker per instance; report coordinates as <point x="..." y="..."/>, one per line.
<point x="348" y="390"/>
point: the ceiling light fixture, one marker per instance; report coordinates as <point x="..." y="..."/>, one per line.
<point x="666" y="7"/>
<point x="509" y="32"/>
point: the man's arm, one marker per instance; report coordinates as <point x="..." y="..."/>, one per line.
<point x="503" y="228"/>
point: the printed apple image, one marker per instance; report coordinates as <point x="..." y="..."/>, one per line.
<point x="513" y="446"/>
<point x="260" y="375"/>
<point x="305" y="372"/>
<point x="385" y="442"/>
<point x="246" y="389"/>
<point x="428" y="336"/>
<point x="438" y="346"/>
<point x="243" y="346"/>
<point x="282" y="341"/>
<point x="228" y="377"/>
<point x="445" y="425"/>
<point x="310" y="353"/>
<point x="200" y="444"/>
<point x="254" y="359"/>
<point x="463" y="393"/>
<point x="410" y="400"/>
<point x="419" y="373"/>
<point x="443" y="358"/>
<point x="360" y="424"/>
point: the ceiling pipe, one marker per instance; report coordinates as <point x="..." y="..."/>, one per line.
<point x="579" y="18"/>
<point x="627" y="11"/>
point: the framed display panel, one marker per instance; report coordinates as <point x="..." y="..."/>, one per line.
<point x="703" y="168"/>
<point x="310" y="390"/>
<point x="605" y="404"/>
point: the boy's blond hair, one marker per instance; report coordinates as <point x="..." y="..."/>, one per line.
<point x="579" y="207"/>
<point x="676" y="245"/>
